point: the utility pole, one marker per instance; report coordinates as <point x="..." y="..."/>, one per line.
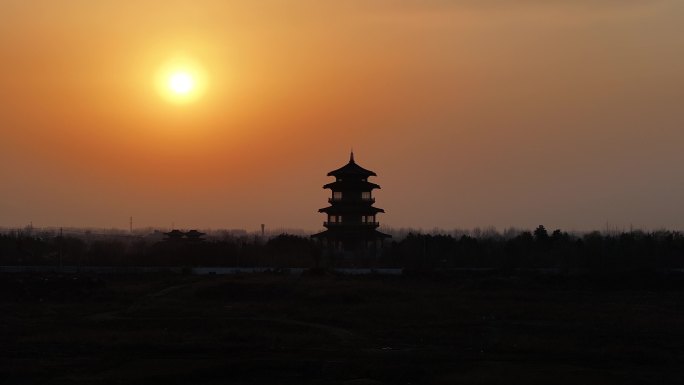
<point x="130" y="224"/>
<point x="60" y="247"/>
<point x="263" y="232"/>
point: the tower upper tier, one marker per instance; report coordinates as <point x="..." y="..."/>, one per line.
<point x="351" y="169"/>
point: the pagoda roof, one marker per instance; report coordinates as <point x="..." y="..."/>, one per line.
<point x="341" y="209"/>
<point x="177" y="234"/>
<point x="352" y="169"/>
<point x="328" y="233"/>
<point x="194" y="234"/>
<point x="353" y="184"/>
<point x="174" y="234"/>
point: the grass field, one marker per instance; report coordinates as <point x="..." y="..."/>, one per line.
<point x="260" y="329"/>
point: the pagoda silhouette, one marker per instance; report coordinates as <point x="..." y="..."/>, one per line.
<point x="352" y="224"/>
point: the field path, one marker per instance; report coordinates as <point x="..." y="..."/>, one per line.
<point x="127" y="313"/>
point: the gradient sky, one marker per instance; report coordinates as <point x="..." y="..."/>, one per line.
<point x="568" y="113"/>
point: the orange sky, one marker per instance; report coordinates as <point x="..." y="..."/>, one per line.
<point x="473" y="113"/>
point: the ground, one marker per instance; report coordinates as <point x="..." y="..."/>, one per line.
<point x="326" y="329"/>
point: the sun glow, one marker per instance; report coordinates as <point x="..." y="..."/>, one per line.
<point x="181" y="80"/>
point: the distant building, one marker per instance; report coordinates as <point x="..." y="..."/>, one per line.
<point x="194" y="234"/>
<point x="177" y="235"/>
<point x="352" y="224"/>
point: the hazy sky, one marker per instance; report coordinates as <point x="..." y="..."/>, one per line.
<point x="568" y="113"/>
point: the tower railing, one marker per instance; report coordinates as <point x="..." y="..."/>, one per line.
<point x="340" y="224"/>
<point x="352" y="200"/>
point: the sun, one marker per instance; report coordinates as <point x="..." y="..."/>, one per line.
<point x="181" y="80"/>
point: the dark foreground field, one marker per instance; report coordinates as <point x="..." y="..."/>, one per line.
<point x="260" y="329"/>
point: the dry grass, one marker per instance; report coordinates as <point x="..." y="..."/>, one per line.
<point x="260" y="329"/>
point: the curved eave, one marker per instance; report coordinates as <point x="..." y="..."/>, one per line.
<point x="328" y="233"/>
<point x="345" y="209"/>
<point x="343" y="185"/>
<point x="352" y="168"/>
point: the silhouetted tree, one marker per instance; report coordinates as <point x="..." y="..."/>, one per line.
<point x="540" y="234"/>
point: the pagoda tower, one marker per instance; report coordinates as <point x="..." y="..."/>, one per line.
<point x="352" y="224"/>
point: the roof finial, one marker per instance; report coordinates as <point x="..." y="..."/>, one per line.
<point x="351" y="156"/>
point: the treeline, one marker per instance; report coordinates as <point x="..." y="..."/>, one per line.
<point x="282" y="251"/>
<point x="538" y="249"/>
